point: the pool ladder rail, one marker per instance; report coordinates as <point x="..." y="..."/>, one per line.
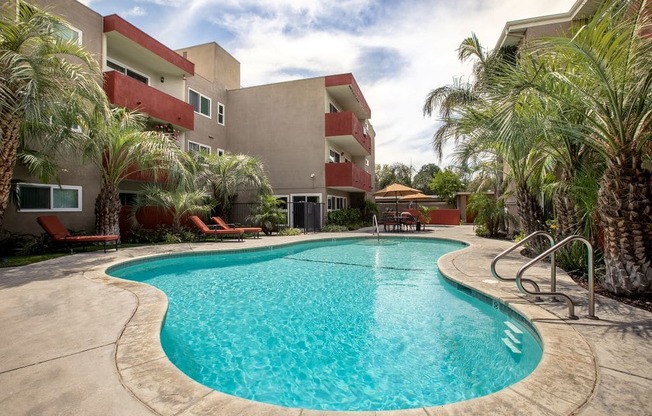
<point x="553" y="271"/>
<point x="376" y="228"/>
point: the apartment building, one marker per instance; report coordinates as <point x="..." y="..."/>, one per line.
<point x="518" y="32"/>
<point x="313" y="135"/>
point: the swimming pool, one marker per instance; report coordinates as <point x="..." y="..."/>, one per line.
<point x="335" y="325"/>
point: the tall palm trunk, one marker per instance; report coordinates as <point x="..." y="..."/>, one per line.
<point x="531" y="215"/>
<point x="9" y="127"/>
<point x="625" y="206"/>
<point x="567" y="214"/>
<point x="107" y="210"/>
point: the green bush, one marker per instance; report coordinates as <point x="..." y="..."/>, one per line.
<point x="349" y="217"/>
<point x="334" y="228"/>
<point x="289" y="231"/>
<point x="489" y="213"/>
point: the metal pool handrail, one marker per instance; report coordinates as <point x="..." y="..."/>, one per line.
<point x="569" y="301"/>
<point x="553" y="273"/>
<point x="374" y="222"/>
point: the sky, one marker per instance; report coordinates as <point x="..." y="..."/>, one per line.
<point x="397" y="50"/>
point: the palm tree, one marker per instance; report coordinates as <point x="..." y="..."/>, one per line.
<point x="605" y="72"/>
<point x="268" y="214"/>
<point x="228" y="174"/>
<point x="46" y="83"/>
<point x="451" y="100"/>
<point x="178" y="200"/>
<point x="119" y="147"/>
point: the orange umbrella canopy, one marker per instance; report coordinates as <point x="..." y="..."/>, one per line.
<point x="415" y="197"/>
<point x="396" y="189"/>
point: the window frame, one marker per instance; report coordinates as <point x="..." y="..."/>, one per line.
<point x="52" y="188"/>
<point x="78" y="41"/>
<point x="126" y="70"/>
<point x="210" y="103"/>
<point x="332" y="202"/>
<point x="334" y="156"/>
<point x="220" y="152"/>
<point x="200" y="146"/>
<point x="221" y="114"/>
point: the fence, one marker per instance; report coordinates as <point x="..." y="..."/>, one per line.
<point x="306" y="216"/>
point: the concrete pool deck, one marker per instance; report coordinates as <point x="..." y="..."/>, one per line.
<point x="77" y="342"/>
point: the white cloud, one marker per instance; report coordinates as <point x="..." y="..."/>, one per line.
<point x="134" y="11"/>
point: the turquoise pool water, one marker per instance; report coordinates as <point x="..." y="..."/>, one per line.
<point x="335" y="325"/>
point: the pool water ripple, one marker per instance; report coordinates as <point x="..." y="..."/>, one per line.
<point x="337" y="325"/>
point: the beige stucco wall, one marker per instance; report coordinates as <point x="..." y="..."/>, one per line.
<point x="214" y="63"/>
<point x="207" y="131"/>
<point x="283" y="125"/>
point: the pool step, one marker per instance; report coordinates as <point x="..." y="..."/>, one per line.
<point x="513" y="337"/>
<point x="511" y="346"/>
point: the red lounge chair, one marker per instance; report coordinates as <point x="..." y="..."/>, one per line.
<point x="60" y="234"/>
<point x="250" y="230"/>
<point x="205" y="231"/>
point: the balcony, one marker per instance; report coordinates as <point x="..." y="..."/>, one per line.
<point x="345" y="131"/>
<point x="347" y="177"/>
<point x="127" y="41"/>
<point x="344" y="89"/>
<point x="127" y="92"/>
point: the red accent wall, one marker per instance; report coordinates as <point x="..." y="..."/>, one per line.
<point x="346" y="123"/>
<point x="347" y="174"/>
<point x="127" y="92"/>
<point x="440" y="216"/>
<point x="347" y="79"/>
<point x="116" y="23"/>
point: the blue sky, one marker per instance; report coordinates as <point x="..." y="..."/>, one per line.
<point x="398" y="50"/>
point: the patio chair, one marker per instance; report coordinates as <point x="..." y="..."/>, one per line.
<point x="204" y="231"/>
<point x="59" y="234"/>
<point x="408" y="221"/>
<point x="248" y="230"/>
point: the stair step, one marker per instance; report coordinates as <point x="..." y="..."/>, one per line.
<point x="512" y="337"/>
<point x="513" y="328"/>
<point x="511" y="346"/>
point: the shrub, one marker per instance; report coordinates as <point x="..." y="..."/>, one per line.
<point x="334" y="228"/>
<point x="289" y="232"/>
<point x="489" y="213"/>
<point x="349" y="217"/>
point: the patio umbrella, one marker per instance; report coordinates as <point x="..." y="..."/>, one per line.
<point x="415" y="197"/>
<point x="396" y="190"/>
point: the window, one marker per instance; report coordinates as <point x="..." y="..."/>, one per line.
<point x="220" y="152"/>
<point x="67" y="33"/>
<point x="220" y="113"/>
<point x="201" y="104"/>
<point x="332" y="108"/>
<point x="336" y="203"/>
<point x="198" y="147"/>
<point x="38" y="197"/>
<point x="127" y="71"/>
<point x="128" y="198"/>
<point x="333" y="156"/>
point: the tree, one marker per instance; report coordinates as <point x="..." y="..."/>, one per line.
<point x="228" y="174"/>
<point x="489" y="212"/>
<point x="46" y="84"/>
<point x="605" y="71"/>
<point x="119" y="147"/>
<point x="268" y="214"/>
<point x="395" y="173"/>
<point x="177" y="200"/>
<point x="446" y="184"/>
<point x="423" y="177"/>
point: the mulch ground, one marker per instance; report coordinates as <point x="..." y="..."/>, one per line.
<point x="642" y="302"/>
